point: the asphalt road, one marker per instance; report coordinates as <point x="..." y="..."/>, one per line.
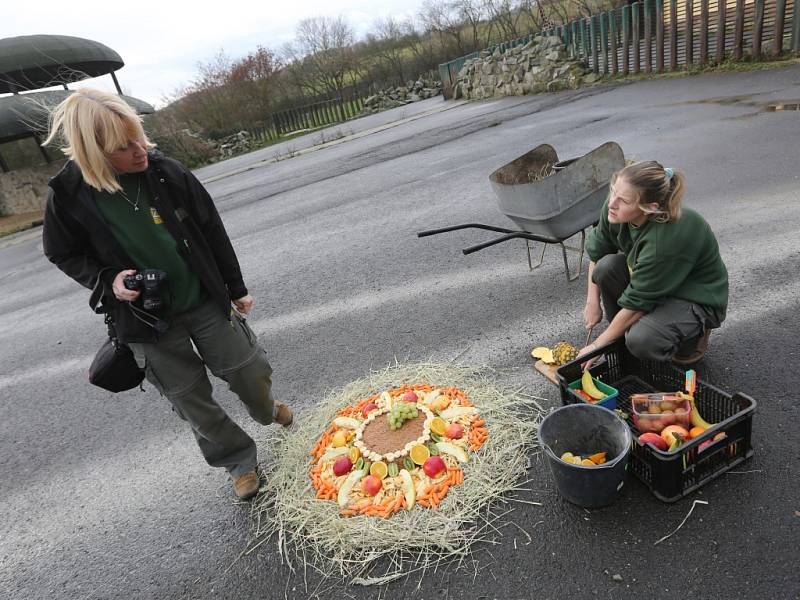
<point x="107" y="497"/>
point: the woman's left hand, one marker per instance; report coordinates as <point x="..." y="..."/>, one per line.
<point x="244" y="304"/>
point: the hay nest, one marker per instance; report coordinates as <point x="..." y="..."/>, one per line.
<point x="310" y="533"/>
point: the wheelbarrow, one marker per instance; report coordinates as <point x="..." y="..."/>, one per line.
<point x="549" y="200"/>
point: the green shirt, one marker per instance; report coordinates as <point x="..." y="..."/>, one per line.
<point x="143" y="235"/>
<point x="678" y="260"/>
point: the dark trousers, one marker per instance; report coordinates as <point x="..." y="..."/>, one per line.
<point x="673" y="327"/>
<point x="231" y="352"/>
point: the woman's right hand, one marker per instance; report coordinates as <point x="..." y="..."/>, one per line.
<point x="120" y="291"/>
<point x="592" y="314"/>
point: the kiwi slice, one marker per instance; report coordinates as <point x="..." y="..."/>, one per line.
<point x="393" y="470"/>
<point x="408" y="464"/>
<point x="359" y="464"/>
<point x="435" y="437"/>
<point x="433" y="449"/>
<point x="366" y="467"/>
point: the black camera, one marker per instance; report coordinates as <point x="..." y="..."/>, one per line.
<point x="149" y="283"/>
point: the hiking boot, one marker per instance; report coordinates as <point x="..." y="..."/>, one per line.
<point x="283" y="414"/>
<point x="246" y="486"/>
<point x="693" y="356"/>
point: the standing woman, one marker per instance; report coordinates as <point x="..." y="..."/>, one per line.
<point x="656" y="267"/>
<point x="119" y="208"/>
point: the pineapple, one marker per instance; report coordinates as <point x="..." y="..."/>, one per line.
<point x="564" y="352"/>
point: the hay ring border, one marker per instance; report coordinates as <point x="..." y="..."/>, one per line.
<point x="311" y="534"/>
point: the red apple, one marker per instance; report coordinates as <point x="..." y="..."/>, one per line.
<point x="704" y="445"/>
<point x="371" y="485"/>
<point x="653" y="438"/>
<point x="342" y="465"/>
<point x="454" y="431"/>
<point x="433" y="466"/>
<point x="409" y="397"/>
<point x="368" y="409"/>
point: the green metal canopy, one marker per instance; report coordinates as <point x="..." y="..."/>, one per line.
<point x="30" y="62"/>
<point x="25" y="115"/>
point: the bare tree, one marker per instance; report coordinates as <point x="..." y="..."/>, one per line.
<point x="505" y="15"/>
<point x="440" y="18"/>
<point x="389" y="47"/>
<point x="471" y="13"/>
<point x="322" y="55"/>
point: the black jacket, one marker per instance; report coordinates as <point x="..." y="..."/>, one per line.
<point x="79" y="241"/>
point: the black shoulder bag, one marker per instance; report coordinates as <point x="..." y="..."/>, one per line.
<point x="114" y="368"/>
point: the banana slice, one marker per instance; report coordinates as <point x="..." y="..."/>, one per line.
<point x="347" y="422"/>
<point x="409" y="491"/>
<point x="347" y="487"/>
<point x="335" y="453"/>
<point x="452" y="450"/>
<point x="456" y="411"/>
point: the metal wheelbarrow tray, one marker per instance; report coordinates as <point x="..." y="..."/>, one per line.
<point x="550" y="201"/>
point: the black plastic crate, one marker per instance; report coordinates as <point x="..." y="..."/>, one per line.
<point x="670" y="476"/>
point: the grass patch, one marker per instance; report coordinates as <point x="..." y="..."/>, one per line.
<point x="311" y="536"/>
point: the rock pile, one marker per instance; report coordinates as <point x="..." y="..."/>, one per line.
<point x="238" y="143"/>
<point x="413" y="91"/>
<point x="541" y="65"/>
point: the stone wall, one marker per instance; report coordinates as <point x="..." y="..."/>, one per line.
<point x="25" y="190"/>
<point x="541" y="65"/>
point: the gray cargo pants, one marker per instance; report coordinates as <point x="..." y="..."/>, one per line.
<point x="229" y="348"/>
<point x="673" y="327"/>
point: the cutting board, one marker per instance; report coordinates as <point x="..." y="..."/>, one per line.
<point x="548" y="371"/>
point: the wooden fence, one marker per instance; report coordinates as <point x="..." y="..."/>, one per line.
<point x="669" y="35"/>
<point x="309" y="116"/>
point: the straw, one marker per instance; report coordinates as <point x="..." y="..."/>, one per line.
<point x="311" y="536"/>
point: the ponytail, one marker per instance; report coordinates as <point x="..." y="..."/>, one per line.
<point x="656" y="185"/>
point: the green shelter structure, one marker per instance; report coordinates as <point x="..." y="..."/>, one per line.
<point x="33" y="62"/>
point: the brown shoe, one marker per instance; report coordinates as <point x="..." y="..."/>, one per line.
<point x="696" y="354"/>
<point x="246" y="486"/>
<point x="283" y="414"/>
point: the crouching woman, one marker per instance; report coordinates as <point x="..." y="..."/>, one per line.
<point x="655" y="269"/>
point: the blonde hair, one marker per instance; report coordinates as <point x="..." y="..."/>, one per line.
<point x="94" y="124"/>
<point x="655" y="185"/>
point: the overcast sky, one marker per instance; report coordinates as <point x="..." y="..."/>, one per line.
<point x="162" y="42"/>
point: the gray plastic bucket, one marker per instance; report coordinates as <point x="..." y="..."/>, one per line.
<point x="584" y="429"/>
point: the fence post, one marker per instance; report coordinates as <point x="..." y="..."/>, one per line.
<point x="720" y="54"/>
<point x="604" y="41"/>
<point x="703" y="32"/>
<point x="593" y="42"/>
<point x="612" y="32"/>
<point x="758" y="28"/>
<point x="673" y="35"/>
<point x="635" y="10"/>
<point x="796" y="27"/>
<point x="584" y="43"/>
<point x="648" y="32"/>
<point x="738" y="31"/>
<point x="689" y="37"/>
<point x="780" y="16"/>
<point x="626" y="38"/>
<point x="660" y="36"/>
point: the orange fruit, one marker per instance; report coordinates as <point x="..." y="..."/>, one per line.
<point x="419" y="454"/>
<point x="695" y="431"/>
<point x="438" y="425"/>
<point x="355" y="454"/>
<point x="587" y="463"/>
<point x="379" y="469"/>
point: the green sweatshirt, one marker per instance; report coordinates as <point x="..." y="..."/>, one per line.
<point x="679" y="260"/>
<point x="142" y="234"/>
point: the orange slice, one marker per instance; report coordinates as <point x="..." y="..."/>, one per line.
<point x="419" y="454"/>
<point x="598" y="458"/>
<point x="438" y="425"/>
<point x="355" y="454"/>
<point x="379" y="469"/>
